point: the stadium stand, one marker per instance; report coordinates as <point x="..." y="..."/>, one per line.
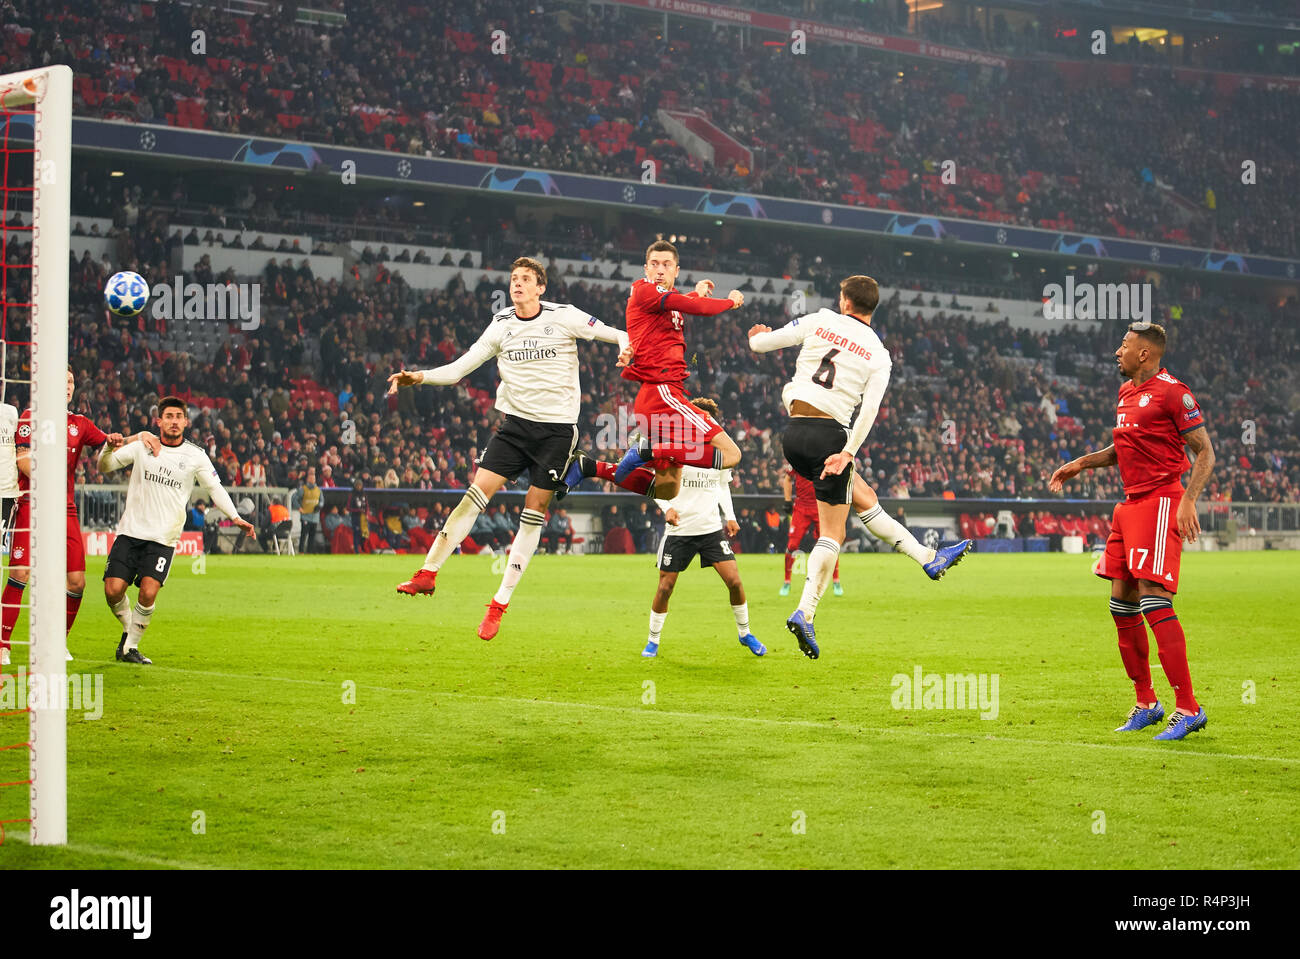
<point x="976" y="408"/>
<point x="1113" y="154"/>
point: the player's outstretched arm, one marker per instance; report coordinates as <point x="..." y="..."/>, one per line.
<point x="207" y="478"/>
<point x="696" y="305"/>
<point x="590" y="328"/>
<point x="484" y="348"/>
<point x="1092" y="461"/>
<point x="764" y="339"/>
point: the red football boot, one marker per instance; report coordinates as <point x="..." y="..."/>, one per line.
<point x="492" y="620"/>
<point x="421" y="584"/>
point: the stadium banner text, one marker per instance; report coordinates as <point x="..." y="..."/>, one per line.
<point x="99" y="543"/>
<point x="292" y="156"/>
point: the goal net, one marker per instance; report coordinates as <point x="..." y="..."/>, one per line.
<point x="36" y="153"/>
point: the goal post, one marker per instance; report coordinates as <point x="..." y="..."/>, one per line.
<point x="45" y="95"/>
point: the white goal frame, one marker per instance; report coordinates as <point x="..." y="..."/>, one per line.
<point x="50" y="90"/>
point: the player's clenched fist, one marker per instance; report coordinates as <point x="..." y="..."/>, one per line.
<point x="404" y="378"/>
<point x="758" y="328"/>
<point x="625" y="358"/>
<point x="737" y="298"/>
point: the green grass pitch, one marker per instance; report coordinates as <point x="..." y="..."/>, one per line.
<point x="557" y="745"/>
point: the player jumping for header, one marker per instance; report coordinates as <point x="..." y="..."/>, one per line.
<point x="674" y="433"/>
<point x="1155" y="417"/>
<point x="842" y="363"/>
<point x="156" y="500"/>
<point x="535" y="343"/>
<point x="695" y="528"/>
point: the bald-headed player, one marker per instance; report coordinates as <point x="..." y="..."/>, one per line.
<point x="1157" y="415"/>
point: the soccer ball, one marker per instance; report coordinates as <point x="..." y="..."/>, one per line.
<point x="126" y="293"/>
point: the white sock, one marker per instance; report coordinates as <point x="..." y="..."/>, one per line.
<point x="122" y="610"/>
<point x="521" y="551"/>
<point x="885" y="527"/>
<point x="821" y="564"/>
<point x="139" y="623"/>
<point x="741" y="613"/>
<point x="456" y="528"/>
<point x="656" y="625"/>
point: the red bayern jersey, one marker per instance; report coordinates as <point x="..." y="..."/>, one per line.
<point x="805" y="497"/>
<point x="82" y="434"/>
<point x="1150" y="421"/>
<point x="654" y="330"/>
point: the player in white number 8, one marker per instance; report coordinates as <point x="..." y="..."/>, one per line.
<point x="151" y="522"/>
<point x="696" y="528"/>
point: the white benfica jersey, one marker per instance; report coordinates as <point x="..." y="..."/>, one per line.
<point x="841" y="364"/>
<point x="537" y="359"/>
<point x="159" y="489"/>
<point x="703" y="492"/>
<point x="8" y="454"/>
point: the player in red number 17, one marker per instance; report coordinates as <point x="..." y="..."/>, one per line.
<point x="1156" y="416"/>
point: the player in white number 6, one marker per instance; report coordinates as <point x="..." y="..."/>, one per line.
<point x="151" y="523"/>
<point x="842" y="366"/>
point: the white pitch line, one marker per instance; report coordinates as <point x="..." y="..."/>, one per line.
<point x="126" y="854"/>
<point x="715" y="717"/>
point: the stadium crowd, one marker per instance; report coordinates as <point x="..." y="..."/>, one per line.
<point x="975" y="409"/>
<point x="582" y="93"/>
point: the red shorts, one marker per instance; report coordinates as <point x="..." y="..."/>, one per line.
<point x="20" y="544"/>
<point x="1144" y="541"/>
<point x="799" y="526"/>
<point x="664" y="414"/>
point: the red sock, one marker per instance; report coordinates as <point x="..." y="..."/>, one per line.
<point x="74" y="604"/>
<point x="11" y="597"/>
<point x="639" y="480"/>
<point x="1133" y="648"/>
<point x="789" y="561"/>
<point x="1173" y="649"/>
<point x="703" y="455"/>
